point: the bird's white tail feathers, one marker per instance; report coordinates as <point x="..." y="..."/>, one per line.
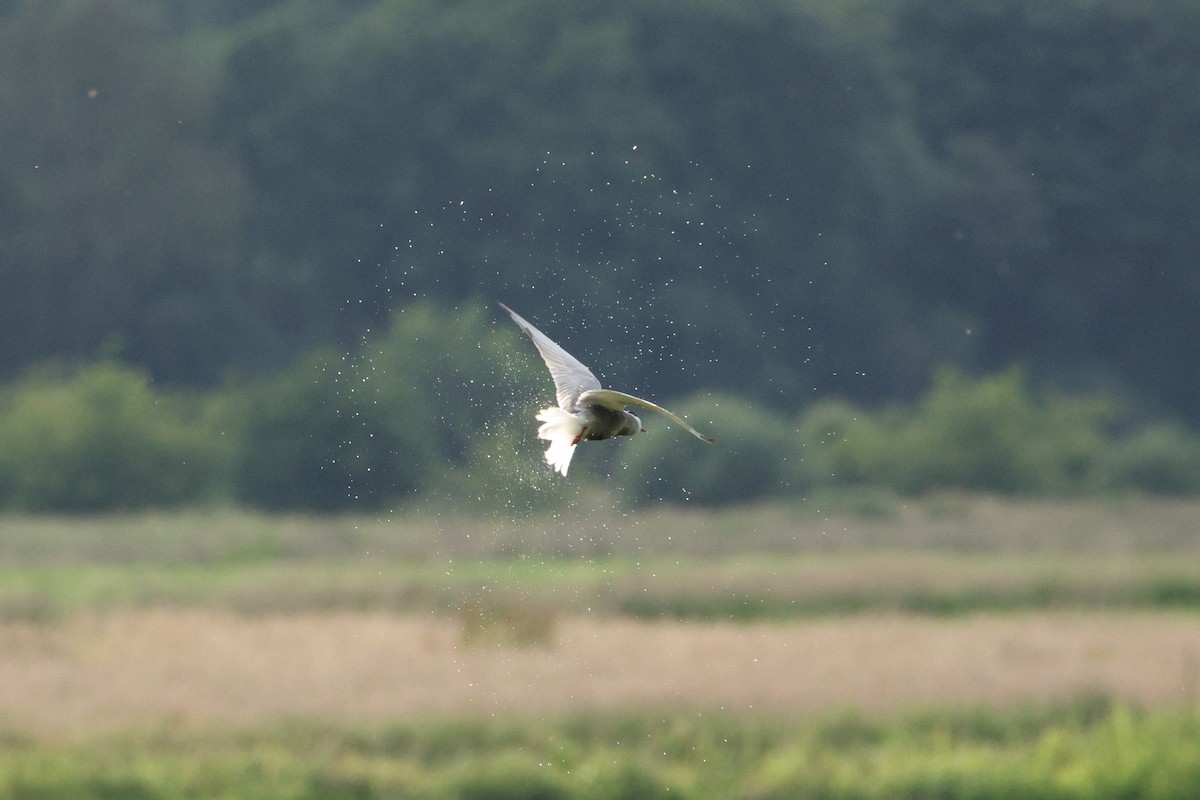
<point x="561" y="429"/>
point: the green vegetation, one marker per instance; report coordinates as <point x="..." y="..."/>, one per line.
<point x="101" y="438"/>
<point x="991" y="434"/>
<point x="418" y="416"/>
<point x="210" y="190"/>
<point x="737" y="589"/>
<point x="1087" y="750"/>
<point x="764" y="563"/>
<point x="509" y="585"/>
<point x="927" y="270"/>
<point x="303" y="215"/>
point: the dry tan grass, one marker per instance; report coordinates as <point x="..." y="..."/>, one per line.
<point x="194" y="666"/>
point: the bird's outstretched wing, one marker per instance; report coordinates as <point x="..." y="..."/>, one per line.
<point x="571" y="378"/>
<point x="618" y="400"/>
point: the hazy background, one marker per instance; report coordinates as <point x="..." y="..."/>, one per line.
<point x="275" y="229"/>
<point x="274" y="520"/>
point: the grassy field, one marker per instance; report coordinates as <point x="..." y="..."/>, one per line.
<point x="855" y="646"/>
<point x="96" y="673"/>
<point x="946" y="555"/>
<point x="1086" y="750"/>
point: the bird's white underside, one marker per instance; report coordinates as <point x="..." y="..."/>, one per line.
<point x="562" y="429"/>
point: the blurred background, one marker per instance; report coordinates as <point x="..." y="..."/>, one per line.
<point x="936" y="245"/>
<point x="274" y="519"/>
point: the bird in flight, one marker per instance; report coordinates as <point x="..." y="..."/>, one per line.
<point x="585" y="410"/>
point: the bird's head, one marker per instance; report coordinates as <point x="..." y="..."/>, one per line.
<point x="632" y="425"/>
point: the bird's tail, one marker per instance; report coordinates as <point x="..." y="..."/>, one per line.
<point x="562" y="430"/>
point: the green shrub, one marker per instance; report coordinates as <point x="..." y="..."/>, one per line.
<point x="839" y="444"/>
<point x="992" y="435"/>
<point x="317" y="437"/>
<point x="1158" y="459"/>
<point x="431" y="397"/>
<point x="629" y="779"/>
<point x="505" y="474"/>
<point x="101" y="439"/>
<point x="747" y="461"/>
<point x="989" y="434"/>
<point x="510" y="776"/>
<point x="459" y="373"/>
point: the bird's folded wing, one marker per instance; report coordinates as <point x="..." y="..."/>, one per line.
<point x="571" y="378"/>
<point x="618" y="400"/>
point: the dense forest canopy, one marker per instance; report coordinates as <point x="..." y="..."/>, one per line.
<point x="787" y="200"/>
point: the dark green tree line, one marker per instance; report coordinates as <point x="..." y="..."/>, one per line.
<point x="792" y="200"/>
<point x="1086" y="112"/>
<point x="122" y="226"/>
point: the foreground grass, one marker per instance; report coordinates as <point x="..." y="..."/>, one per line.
<point x="1089" y="750"/>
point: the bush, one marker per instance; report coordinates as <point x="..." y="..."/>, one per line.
<point x="1158" y="459"/>
<point x="747" y="461"/>
<point x="459" y="373"/>
<point x="992" y="435"/>
<point x="839" y="444"/>
<point x="442" y="403"/>
<point x="511" y="776"/>
<point x="315" y="437"/>
<point x="431" y="396"/>
<point x="101" y="439"/>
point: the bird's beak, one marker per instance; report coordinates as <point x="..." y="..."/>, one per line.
<point x="645" y="431"/>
